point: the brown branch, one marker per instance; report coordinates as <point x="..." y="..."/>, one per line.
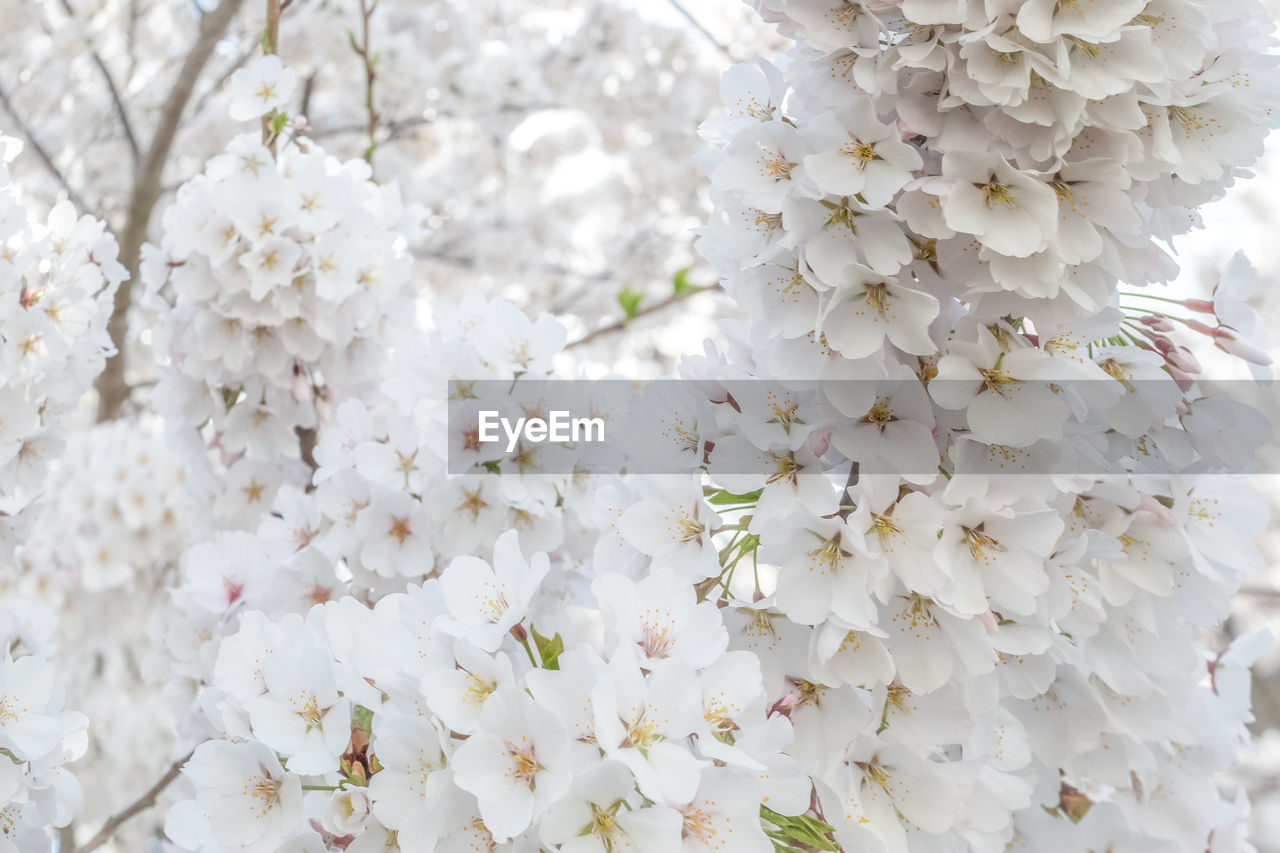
<point x="271" y="45"/>
<point x="112" y="388"/>
<point x="619" y="325"/>
<point x="41" y="152"/>
<point x="139" y="805"/>
<point x="121" y="112"/>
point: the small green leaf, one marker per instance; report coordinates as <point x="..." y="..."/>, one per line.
<point x="492" y="467"/>
<point x="549" y="648"/>
<point x="630" y="302"/>
<point x="278" y="121"/>
<point x="362" y="718"/>
<point x="802" y="829"/>
<point x="725" y="498"/>
<point x="681" y="282"/>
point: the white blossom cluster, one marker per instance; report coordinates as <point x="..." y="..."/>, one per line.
<point x="883" y="655"/>
<point x="37" y="735"/>
<point x="119" y="514"/>
<point x="381" y="511"/>
<point x="932" y="212"/>
<point x="420" y="724"/>
<point x="280" y="273"/>
<point x="57" y="282"/>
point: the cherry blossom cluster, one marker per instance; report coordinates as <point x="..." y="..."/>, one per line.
<point x="380" y="512"/>
<point x="280" y="272"/>
<point x="441" y="719"/>
<point x="979" y="497"/>
<point x="37" y="735"/>
<point x="57" y="281"/>
<point x="119" y="515"/>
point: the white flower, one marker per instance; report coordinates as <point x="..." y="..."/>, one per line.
<point x="661" y="617"/>
<point x="726" y="806"/>
<point x="598" y="816"/>
<point x="858" y="155"/>
<point x="644" y="722"/>
<point x="487" y="601"/>
<point x="244" y="799"/>
<point x="29" y="727"/>
<point x="301" y="716"/>
<point x="865" y="309"/>
<point x="408" y="793"/>
<point x="515" y="764"/>
<point x="1011" y="212"/>
<point x="261" y="87"/>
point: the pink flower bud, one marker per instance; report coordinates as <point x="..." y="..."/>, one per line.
<point x="1184" y="380"/>
<point x="989" y="622"/>
<point x="1183" y="360"/>
<point x="1157" y="322"/>
<point x="1197" y="326"/>
<point x="1204" y="306"/>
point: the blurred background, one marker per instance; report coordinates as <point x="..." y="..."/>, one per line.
<point x="553" y="145"/>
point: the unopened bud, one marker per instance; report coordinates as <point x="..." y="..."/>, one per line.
<point x="1202" y="328"/>
<point x="1157" y="322"/>
<point x="1183" y="360"/>
<point x="1184" y="380"/>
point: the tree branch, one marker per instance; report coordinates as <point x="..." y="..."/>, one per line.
<point x="271" y="45"/>
<point x="697" y="25"/>
<point x="619" y="325"/>
<point x="112" y="388"/>
<point x="41" y="152"/>
<point x="367" y="8"/>
<point x="139" y="805"/>
<point x="125" y="124"/>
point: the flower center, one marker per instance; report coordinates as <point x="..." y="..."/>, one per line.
<point x="524" y="767"/>
<point x="997" y="193"/>
<point x="979" y="542"/>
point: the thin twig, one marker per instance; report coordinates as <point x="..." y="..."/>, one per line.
<point x="139" y="805"/>
<point x="367" y="8"/>
<point x="40" y="151"/>
<point x="112" y="389"/>
<point x="619" y="325"/>
<point x="697" y="25"/>
<point x="121" y="112"/>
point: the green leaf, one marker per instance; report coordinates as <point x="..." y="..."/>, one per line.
<point x="681" y="282"/>
<point x="724" y="498"/>
<point x="802" y="829"/>
<point x="549" y="648"/>
<point x="492" y="467"/>
<point x="278" y="121"/>
<point x="630" y="302"/>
